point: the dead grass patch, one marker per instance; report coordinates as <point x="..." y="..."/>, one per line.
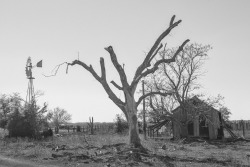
<point x="107" y="149"/>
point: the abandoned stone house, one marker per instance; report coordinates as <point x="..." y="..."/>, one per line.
<point x="197" y="120"/>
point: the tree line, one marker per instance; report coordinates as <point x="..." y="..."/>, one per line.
<point x="23" y="119"/>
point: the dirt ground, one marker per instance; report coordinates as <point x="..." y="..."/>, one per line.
<point x="112" y="150"/>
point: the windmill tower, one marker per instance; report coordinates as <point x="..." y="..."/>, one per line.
<point x="30" y="97"/>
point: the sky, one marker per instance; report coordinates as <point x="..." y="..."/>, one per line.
<point x="57" y="31"/>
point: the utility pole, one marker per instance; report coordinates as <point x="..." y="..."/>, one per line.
<point x="144" y="117"/>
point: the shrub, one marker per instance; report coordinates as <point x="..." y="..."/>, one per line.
<point x="78" y="128"/>
<point x="18" y="126"/>
<point x="3" y="123"/>
<point x="121" y="124"/>
<point x="27" y="121"/>
<point x="47" y="133"/>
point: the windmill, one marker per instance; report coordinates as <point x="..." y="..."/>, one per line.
<point x="30" y="91"/>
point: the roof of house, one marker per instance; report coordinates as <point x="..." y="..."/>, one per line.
<point x="194" y="101"/>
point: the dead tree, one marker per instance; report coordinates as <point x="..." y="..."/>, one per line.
<point x="91" y="125"/>
<point x="129" y="106"/>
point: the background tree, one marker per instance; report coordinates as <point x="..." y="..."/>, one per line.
<point x="4" y="111"/>
<point x="8" y="104"/>
<point x="180" y="77"/>
<point x="225" y="113"/>
<point x="20" y="118"/>
<point x="36" y="117"/>
<point x="217" y="102"/>
<point x="129" y="106"/>
<point x="59" y="116"/>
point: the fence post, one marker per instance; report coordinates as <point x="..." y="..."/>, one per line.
<point x="243" y="127"/>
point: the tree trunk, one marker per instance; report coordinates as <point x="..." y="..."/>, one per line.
<point x="56" y="129"/>
<point x="131" y="111"/>
<point x="184" y="125"/>
<point x="134" y="138"/>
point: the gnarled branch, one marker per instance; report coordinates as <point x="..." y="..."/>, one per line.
<point x="118" y="67"/>
<point x="155" y="67"/>
<point x="153" y="93"/>
<point x="116" y="85"/>
<point x="155" y="54"/>
<point x="155" y="46"/>
<point x="88" y="68"/>
<point x="55" y="70"/>
<point x="101" y="79"/>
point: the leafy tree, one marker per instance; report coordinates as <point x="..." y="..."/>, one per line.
<point x="28" y="121"/>
<point x="17" y="126"/>
<point x="8" y="103"/>
<point x="22" y="119"/>
<point x="4" y="111"/>
<point x="59" y="116"/>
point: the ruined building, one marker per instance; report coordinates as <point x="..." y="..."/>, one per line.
<point x="197" y="119"/>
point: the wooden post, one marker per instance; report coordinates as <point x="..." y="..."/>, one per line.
<point x="91" y="125"/>
<point x="144" y="117"/>
<point x="243" y="128"/>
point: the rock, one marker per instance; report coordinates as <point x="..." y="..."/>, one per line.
<point x="56" y="155"/>
<point x="108" y="165"/>
<point x="164" y="147"/>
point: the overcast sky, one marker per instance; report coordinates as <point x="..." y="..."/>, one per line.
<point x="56" y="30"/>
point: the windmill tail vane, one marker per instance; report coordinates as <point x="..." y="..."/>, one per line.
<point x="39" y="64"/>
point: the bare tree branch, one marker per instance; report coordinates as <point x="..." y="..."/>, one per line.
<point x="103" y="70"/>
<point x="55" y="69"/>
<point x="116" y="85"/>
<point x="155" y="67"/>
<point x="158" y="111"/>
<point x="102" y="80"/>
<point x="88" y="68"/>
<point x="157" y="50"/>
<point x="153" y="93"/>
<point x="118" y="67"/>
<point x="154" y="47"/>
